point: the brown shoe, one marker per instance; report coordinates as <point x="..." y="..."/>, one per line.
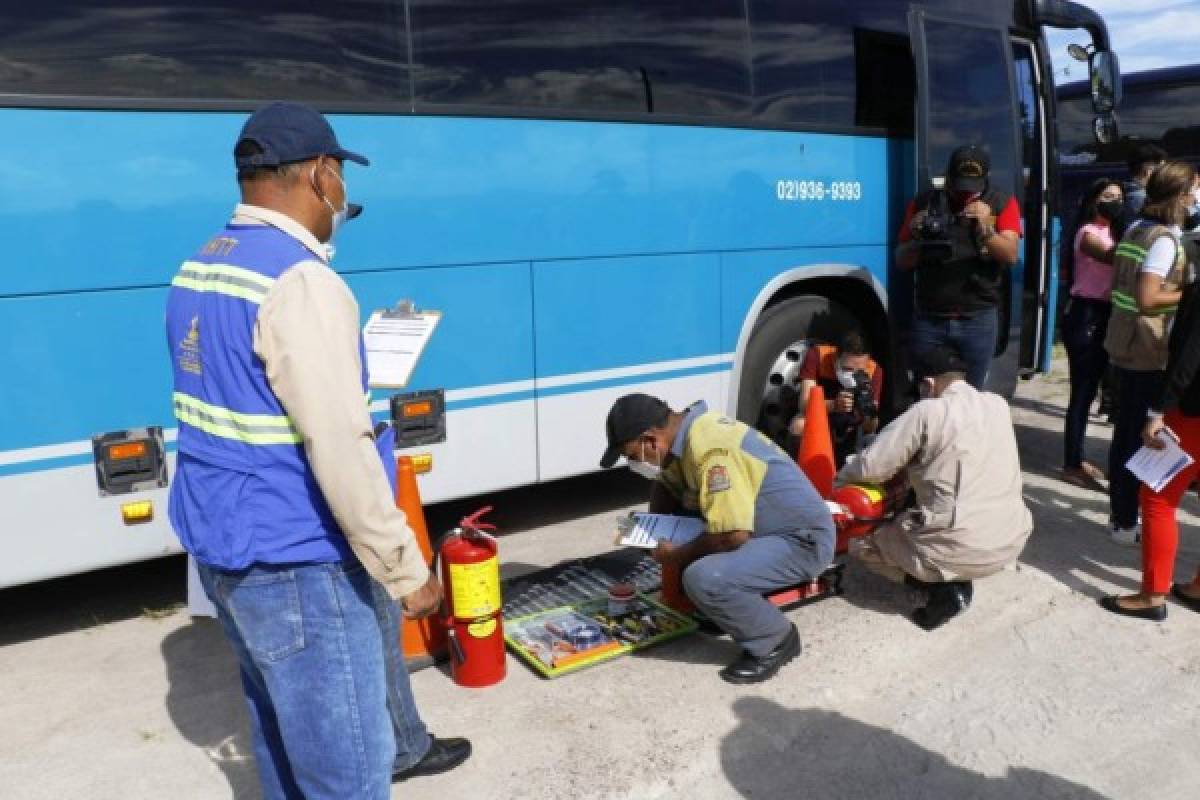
<point x="1079" y="476"/>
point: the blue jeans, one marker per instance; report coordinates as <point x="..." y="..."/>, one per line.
<point x="1084" y="327"/>
<point x="973" y="335"/>
<point x="1136" y="392"/>
<point x="729" y="587"/>
<point x="328" y="698"/>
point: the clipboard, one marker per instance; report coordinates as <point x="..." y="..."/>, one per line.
<point x="394" y="340"/>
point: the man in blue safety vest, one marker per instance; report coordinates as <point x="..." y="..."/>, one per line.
<point x="278" y="492"/>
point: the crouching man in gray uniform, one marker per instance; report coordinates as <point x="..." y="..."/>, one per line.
<point x="766" y="528"/>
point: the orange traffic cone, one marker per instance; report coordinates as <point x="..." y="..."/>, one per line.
<point x="815" y="453"/>
<point x="423" y="641"/>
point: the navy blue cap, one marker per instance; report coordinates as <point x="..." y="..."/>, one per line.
<point x="290" y="132"/>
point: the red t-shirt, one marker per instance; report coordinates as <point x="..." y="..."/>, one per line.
<point x="810" y="370"/>
<point x="1008" y="220"/>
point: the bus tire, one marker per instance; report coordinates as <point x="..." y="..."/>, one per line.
<point x="767" y="398"/>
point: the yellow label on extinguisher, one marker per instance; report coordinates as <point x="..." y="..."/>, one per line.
<point x="482" y="630"/>
<point x="475" y="588"/>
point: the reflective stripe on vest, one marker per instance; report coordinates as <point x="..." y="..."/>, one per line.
<point x="224" y="279"/>
<point x="1127" y="303"/>
<point x="1131" y="251"/>
<point x="253" y="429"/>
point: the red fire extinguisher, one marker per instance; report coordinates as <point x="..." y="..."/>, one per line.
<point x="470" y="569"/>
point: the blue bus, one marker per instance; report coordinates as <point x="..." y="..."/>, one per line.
<point x="598" y="195"/>
<point x="1158" y="106"/>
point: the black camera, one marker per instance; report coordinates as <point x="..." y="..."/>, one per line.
<point x="933" y="234"/>
<point x="864" y="406"/>
<point x="864" y="402"/>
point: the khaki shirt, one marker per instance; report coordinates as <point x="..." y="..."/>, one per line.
<point x="960" y="455"/>
<point x="307" y="335"/>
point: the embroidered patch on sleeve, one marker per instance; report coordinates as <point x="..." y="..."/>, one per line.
<point x="717" y="479"/>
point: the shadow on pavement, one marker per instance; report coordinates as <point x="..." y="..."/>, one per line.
<point x="159" y="586"/>
<point x="205" y="701"/>
<point x="778" y="752"/>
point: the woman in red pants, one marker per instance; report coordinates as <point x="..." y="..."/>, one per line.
<point x="1160" y="529"/>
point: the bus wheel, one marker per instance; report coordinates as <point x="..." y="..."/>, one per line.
<point x="767" y="396"/>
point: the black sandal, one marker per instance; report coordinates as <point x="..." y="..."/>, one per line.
<point x="1153" y="613"/>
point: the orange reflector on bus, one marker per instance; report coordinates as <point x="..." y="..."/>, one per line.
<point x="117" y="452"/>
<point x="422" y="463"/>
<point x="137" y="512"/>
<point x="417" y="409"/>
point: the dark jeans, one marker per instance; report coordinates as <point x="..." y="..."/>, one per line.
<point x="1084" y="326"/>
<point x="973" y="335"/>
<point x="1137" y="390"/>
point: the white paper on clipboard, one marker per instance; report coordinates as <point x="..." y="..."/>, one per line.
<point x="394" y="342"/>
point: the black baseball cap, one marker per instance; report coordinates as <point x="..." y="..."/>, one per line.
<point x="290" y="132"/>
<point x="630" y="417"/>
<point x="968" y="169"/>
<point x="939" y="360"/>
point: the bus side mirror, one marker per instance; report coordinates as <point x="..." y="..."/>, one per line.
<point x="1105" y="73"/>
<point x="1105" y="128"/>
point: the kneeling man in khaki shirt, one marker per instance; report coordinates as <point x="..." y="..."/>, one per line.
<point x="958" y="450"/>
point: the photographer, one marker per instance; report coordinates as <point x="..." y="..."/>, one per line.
<point x="853" y="385"/>
<point x="958" y="239"/>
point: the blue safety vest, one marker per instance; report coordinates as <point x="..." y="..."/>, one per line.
<point x="243" y="491"/>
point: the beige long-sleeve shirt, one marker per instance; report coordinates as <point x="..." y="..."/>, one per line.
<point x="307" y="334"/>
<point x="960" y="455"/>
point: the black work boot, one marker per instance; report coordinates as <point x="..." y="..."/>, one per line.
<point x="755" y="669"/>
<point x="946" y="600"/>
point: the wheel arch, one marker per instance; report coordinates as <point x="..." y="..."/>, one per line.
<point x="851" y="285"/>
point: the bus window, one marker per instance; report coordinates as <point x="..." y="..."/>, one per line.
<point x="686" y="57"/>
<point x="824" y="65"/>
<point x="970" y="98"/>
<point x="311" y="50"/>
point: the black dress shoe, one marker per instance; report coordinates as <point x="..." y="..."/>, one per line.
<point x="946" y="600"/>
<point x="1191" y="602"/>
<point x="443" y="756"/>
<point x="1154" y="613"/>
<point x="752" y="669"/>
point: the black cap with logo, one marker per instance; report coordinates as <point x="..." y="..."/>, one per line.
<point x="630" y="417"/>
<point x="968" y="169"/>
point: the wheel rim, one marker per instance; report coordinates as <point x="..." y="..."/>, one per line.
<point x="780" y="398"/>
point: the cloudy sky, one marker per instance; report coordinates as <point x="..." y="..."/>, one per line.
<point x="1146" y="34"/>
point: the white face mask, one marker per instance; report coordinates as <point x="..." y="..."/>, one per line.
<point x="648" y="471"/>
<point x="339" y="215"/>
<point x="846" y="378"/>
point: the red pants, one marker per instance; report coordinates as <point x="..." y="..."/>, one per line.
<point x="1160" y="530"/>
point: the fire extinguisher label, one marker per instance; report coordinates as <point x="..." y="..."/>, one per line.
<point x="482" y="630"/>
<point x="475" y="588"/>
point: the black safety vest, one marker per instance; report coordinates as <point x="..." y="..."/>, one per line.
<point x="967" y="281"/>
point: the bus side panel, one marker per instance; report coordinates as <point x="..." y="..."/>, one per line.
<point x="74" y="366"/>
<point x="609" y="326"/>
<point x="484" y="341"/>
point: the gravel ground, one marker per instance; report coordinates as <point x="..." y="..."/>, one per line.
<point x="110" y="690"/>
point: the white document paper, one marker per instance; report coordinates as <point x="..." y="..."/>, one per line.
<point x="647" y="530"/>
<point x="1156" y="468"/>
<point x="394" y="345"/>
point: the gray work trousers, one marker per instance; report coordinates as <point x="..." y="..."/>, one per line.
<point x="729" y="587"/>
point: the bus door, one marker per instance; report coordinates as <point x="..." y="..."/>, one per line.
<point x="1040" y="284"/>
<point x="965" y="96"/>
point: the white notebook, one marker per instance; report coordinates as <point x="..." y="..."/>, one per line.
<point x="1156" y="468"/>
